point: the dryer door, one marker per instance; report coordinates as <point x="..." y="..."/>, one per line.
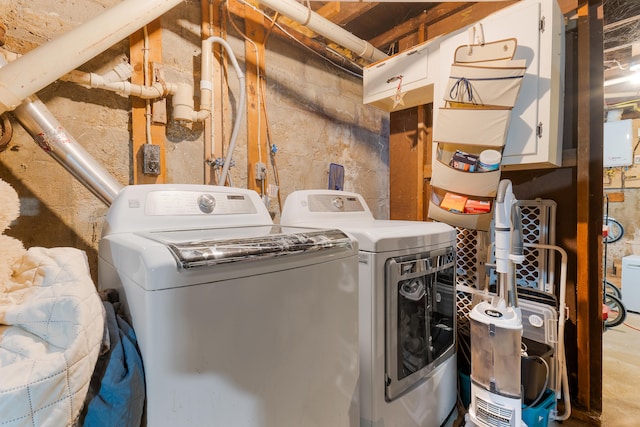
<point x="419" y="317"/>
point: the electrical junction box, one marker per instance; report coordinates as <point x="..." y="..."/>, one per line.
<point x="151" y="159"/>
<point x="617" y="143"/>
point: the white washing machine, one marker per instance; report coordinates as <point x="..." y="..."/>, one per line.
<point x="408" y="373"/>
<point x="631" y="283"/>
<point x="240" y="322"/>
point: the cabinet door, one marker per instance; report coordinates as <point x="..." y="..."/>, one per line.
<point x="409" y="72"/>
<point x="534" y="137"/>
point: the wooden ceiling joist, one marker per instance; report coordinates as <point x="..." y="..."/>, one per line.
<point x="343" y="13"/>
<point x="412" y="25"/>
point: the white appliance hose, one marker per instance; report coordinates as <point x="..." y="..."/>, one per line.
<point x="207" y="54"/>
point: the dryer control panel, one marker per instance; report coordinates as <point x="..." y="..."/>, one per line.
<point x="334" y="203"/>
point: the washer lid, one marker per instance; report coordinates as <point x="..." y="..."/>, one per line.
<point x="390" y="235"/>
<point x="199" y="248"/>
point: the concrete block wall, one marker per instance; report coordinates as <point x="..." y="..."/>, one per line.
<point x="315" y="110"/>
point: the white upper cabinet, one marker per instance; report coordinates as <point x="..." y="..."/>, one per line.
<point x="534" y="137"/>
<point x="403" y="80"/>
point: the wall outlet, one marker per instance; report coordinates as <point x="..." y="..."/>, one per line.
<point x="261" y="171"/>
<point x="636" y="159"/>
<point x="151" y="159"/>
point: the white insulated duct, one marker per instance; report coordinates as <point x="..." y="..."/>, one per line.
<point x="322" y="26"/>
<point x="52" y="60"/>
<point x="54" y="139"/>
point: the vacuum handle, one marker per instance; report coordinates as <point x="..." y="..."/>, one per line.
<point x="517" y="238"/>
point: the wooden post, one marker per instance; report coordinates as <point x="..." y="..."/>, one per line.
<point x="407" y="156"/>
<point x="256" y="121"/>
<point x="138" y="106"/>
<point x="208" y="23"/>
<point x="216" y="127"/>
<point x="589" y="204"/>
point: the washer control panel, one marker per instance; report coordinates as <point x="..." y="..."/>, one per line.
<point x="196" y="203"/>
<point x="183" y="206"/>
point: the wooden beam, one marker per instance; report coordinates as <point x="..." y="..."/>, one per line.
<point x="407" y="158"/>
<point x="427" y="18"/>
<point x="207" y="25"/>
<point x="567" y="6"/>
<point x="256" y="121"/>
<point x="341" y="13"/>
<point x="467" y="16"/>
<point x="405" y="165"/>
<point x="217" y="128"/>
<point x="589" y="204"/>
<point x="425" y="127"/>
<point x="138" y="106"/>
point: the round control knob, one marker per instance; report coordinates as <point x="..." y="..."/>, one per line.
<point x="338" y="202"/>
<point x="206" y="203"/>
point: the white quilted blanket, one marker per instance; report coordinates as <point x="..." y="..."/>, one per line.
<point x="51" y="328"/>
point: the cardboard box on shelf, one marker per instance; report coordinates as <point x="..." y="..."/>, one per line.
<point x="464" y="161"/>
<point x="477" y="206"/>
<point x="453" y="202"/>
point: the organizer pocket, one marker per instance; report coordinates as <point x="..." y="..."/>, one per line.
<point x="444" y="210"/>
<point x="486" y="127"/>
<point x="483" y="184"/>
<point x="485" y="85"/>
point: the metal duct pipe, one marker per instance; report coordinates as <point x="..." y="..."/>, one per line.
<point x="315" y="22"/>
<point x="49" y="134"/>
<point x="50" y="61"/>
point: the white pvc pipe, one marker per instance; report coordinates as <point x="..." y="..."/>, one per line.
<point x="318" y="24"/>
<point x="50" y="61"/>
<point x="155" y="91"/>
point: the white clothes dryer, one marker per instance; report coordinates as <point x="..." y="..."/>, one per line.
<point x="408" y="373"/>
<point x="240" y="322"/>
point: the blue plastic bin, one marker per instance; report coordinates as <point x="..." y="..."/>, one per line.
<point x="538" y="415"/>
<point x="465" y="388"/>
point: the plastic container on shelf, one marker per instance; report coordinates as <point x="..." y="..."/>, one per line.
<point x="534" y="372"/>
<point x="489" y="160"/>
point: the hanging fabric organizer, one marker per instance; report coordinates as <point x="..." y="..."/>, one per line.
<point x="472" y="127"/>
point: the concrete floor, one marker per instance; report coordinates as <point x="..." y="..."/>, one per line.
<point x="620" y="376"/>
